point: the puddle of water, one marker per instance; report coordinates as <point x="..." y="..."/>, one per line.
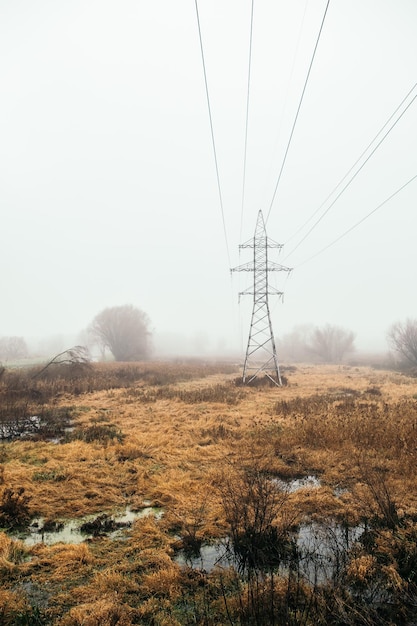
<point x="20" y="427"/>
<point x="322" y="552"/>
<point x="129" y="516"/>
<point x="323" y="549"/>
<point x="28" y="427"/>
<point x="308" y="482"/>
<point x="66" y="432"/>
<point x="290" y="486"/>
<point x="70" y="531"/>
<point x="209" y="557"/>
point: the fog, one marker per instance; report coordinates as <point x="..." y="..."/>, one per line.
<point x="109" y="193"/>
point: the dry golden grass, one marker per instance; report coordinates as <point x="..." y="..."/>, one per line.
<point x="177" y="439"/>
<point x="12" y="553"/>
<point x="105" y="611"/>
<point x="11" y="603"/>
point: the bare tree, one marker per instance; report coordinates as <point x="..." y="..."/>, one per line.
<point x="12" y="348"/>
<point x="294" y="346"/>
<point x="402" y="337"/>
<point x="77" y="357"/>
<point x="124" y="330"/>
<point x="331" y="343"/>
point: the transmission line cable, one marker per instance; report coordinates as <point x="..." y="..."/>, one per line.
<point x="317" y="222"/>
<point x="298" y="110"/>
<point x="353" y="166"/>
<point x="212" y="131"/>
<point x="284" y="108"/>
<point x="247" y="121"/>
<point x="349" y="230"/>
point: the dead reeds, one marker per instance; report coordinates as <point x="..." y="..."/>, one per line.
<point x="218" y="461"/>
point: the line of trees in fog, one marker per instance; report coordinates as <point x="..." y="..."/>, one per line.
<point x="332" y="344"/>
<point x="13" y="349"/>
<point x="124" y="332"/>
<point x="328" y="344"/>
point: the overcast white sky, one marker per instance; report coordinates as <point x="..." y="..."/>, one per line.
<point x="108" y="190"/>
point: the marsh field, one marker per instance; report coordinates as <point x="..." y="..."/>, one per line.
<point x="169" y="494"/>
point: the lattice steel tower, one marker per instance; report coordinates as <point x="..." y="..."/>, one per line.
<point x="261" y="353"/>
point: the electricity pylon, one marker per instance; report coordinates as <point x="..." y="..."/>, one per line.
<point x="261" y="353"/>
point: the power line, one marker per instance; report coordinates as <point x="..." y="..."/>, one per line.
<point x="298" y="110"/>
<point x="212" y="131"/>
<point x="247" y="121"/>
<point x="353" y="166"/>
<point x="358" y="223"/>
<point x="284" y="107"/>
<point x="317" y="222"/>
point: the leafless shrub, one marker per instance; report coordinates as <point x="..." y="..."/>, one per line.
<point x="331" y="343"/>
<point x="14" y="508"/>
<point x="77" y="358"/>
<point x="402" y="337"/>
<point x="253" y="504"/>
<point x="385" y="512"/>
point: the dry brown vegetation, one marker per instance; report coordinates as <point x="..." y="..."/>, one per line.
<point x="215" y="457"/>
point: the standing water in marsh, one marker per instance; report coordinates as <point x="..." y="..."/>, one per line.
<point x="320" y="552"/>
<point x="317" y="550"/>
<point x="78" y="530"/>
